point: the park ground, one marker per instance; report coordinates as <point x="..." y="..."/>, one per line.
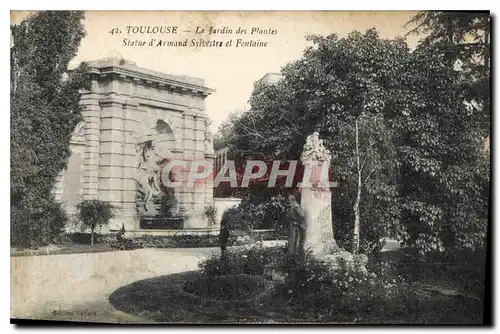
<point x="78" y="287"/>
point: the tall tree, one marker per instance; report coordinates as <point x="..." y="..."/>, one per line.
<point x="225" y="129"/>
<point x="344" y="89"/>
<point x="445" y="173"/>
<point x="44" y="112"/>
<point x="463" y="39"/>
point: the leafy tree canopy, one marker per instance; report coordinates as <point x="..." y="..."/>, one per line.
<point x="424" y="175"/>
<point x="44" y="111"/>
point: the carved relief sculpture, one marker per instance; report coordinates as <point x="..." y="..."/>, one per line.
<point x="208" y="136"/>
<point x="151" y="155"/>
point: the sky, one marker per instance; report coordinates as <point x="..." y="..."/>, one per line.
<point x="230" y="71"/>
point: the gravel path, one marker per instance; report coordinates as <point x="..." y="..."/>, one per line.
<point x="77" y="286"/>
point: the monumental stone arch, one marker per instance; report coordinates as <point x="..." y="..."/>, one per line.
<point x="134" y="118"/>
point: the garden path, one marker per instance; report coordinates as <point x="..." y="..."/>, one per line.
<point x="77" y="286"/>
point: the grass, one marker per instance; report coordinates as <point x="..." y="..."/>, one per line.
<point x="76" y="243"/>
<point x="65" y="249"/>
<point x="163" y="299"/>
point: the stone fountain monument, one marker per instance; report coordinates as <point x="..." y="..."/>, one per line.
<point x="135" y="120"/>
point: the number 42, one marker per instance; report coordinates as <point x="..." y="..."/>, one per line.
<point x="114" y="31"/>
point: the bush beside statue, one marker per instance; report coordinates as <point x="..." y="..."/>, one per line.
<point x="167" y="214"/>
<point x="211" y="214"/>
<point x="166" y="205"/>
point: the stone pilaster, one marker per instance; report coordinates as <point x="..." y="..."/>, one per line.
<point x="113" y="158"/>
<point x="209" y="184"/>
<point x="131" y="116"/>
<point x="91" y="115"/>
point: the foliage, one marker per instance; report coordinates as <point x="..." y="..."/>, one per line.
<point x="36" y="223"/>
<point x="448" y="211"/>
<point x="176" y="241"/>
<point x="266" y="208"/>
<point x="250" y="261"/>
<point x="316" y="286"/>
<point x="348" y="288"/>
<point x="423" y="171"/>
<point x="227" y="288"/>
<point x="44" y="112"/>
<point x="166" y="204"/>
<point x="236" y="219"/>
<point x="79" y="238"/>
<point x="211" y="214"/>
<point x="464" y="270"/>
<point x="336" y="83"/>
<point x="95" y="213"/>
<point x="162" y="299"/>
<point x="463" y="39"/>
<point x="444" y="173"/>
<point x="225" y="129"/>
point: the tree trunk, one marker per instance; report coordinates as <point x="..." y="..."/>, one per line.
<point x="92" y="236"/>
<point x="358" y="197"/>
<point x="486" y="98"/>
<point x="292" y="241"/>
<point x="487" y="44"/>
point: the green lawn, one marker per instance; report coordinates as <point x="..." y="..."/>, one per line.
<point x="163" y="299"/>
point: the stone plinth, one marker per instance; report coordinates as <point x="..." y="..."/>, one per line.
<point x="319" y="231"/>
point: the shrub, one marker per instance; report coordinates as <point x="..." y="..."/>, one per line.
<point x="250" y="261"/>
<point x="348" y="288"/>
<point x="94" y="213"/>
<point x="226" y="288"/>
<point x="235" y="219"/>
<point x="318" y="286"/>
<point x="166" y="204"/>
<point x="42" y="224"/>
<point x="265" y="209"/>
<point x="84" y="238"/>
<point x="175" y="241"/>
<point x="464" y="269"/>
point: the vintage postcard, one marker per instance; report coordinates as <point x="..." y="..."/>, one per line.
<point x="250" y="167"/>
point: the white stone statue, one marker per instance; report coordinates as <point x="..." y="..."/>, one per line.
<point x="150" y="154"/>
<point x="148" y="173"/>
<point x="314" y="149"/>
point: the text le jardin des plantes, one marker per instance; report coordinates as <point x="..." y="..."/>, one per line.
<point x="199" y="37"/>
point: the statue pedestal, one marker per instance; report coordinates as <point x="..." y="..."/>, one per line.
<point x="316" y="204"/>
